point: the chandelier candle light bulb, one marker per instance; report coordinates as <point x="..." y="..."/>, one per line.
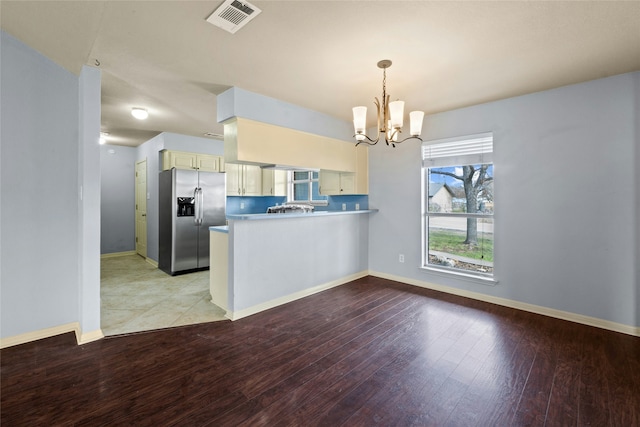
<point x="415" y="120"/>
<point x="396" y="111"/>
<point x="390" y="117"/>
<point x="360" y="122"/>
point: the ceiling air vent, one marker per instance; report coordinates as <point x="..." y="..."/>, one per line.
<point x="233" y="15"/>
<point x="214" y="135"/>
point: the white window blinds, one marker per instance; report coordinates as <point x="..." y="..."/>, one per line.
<point x="464" y="150"/>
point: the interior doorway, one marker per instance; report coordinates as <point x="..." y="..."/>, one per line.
<point x="141" y="208"/>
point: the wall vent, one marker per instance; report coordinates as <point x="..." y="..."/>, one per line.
<point x="233" y="15"/>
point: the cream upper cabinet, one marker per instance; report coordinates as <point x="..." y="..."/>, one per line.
<point x="329" y="183"/>
<point x="252" y="142"/>
<point x="274" y="182"/>
<point x="337" y="183"/>
<point x="243" y="180"/>
<point x="252" y="180"/>
<point x="342" y="183"/>
<point x="233" y="179"/>
<point x="185" y="160"/>
<point x="208" y="163"/>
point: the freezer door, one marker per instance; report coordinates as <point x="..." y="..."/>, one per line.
<point x="185" y="232"/>
<point x="213" y="210"/>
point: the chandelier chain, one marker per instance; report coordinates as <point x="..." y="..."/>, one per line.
<point x="384" y="89"/>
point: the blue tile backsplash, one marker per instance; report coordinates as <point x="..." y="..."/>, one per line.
<point x="253" y="205"/>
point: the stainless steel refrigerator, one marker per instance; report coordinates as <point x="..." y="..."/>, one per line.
<point x="189" y="203"/>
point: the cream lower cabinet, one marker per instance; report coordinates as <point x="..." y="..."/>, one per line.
<point x="243" y="180"/>
<point x="274" y="182"/>
<point x="185" y="160"/>
<point x="219" y="265"/>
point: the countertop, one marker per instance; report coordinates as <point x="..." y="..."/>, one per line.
<point x="241" y="217"/>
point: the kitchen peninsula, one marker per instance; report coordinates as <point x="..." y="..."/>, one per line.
<point x="261" y="261"/>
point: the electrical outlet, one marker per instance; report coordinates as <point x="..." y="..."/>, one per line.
<point x="401" y="257"/>
<point x="357" y="206"/>
<point x="344" y="206"/>
<point x="241" y="205"/>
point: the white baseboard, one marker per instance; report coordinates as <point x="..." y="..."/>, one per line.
<point x="127" y="253"/>
<point x="152" y="262"/>
<point x="545" y="311"/>
<point x="118" y="254"/>
<point x="235" y="315"/>
<point x="81" y="338"/>
<point x="90" y="336"/>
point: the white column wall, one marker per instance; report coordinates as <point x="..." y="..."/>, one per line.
<point x="275" y="258"/>
<point x="89" y="203"/>
<point x="39" y="192"/>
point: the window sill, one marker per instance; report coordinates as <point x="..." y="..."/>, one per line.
<point x="482" y="280"/>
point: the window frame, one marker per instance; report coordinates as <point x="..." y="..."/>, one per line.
<point x="482" y="154"/>
<point x="310" y="180"/>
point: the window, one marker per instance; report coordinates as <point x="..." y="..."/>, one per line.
<point x="304" y="188"/>
<point x="458" y="205"/>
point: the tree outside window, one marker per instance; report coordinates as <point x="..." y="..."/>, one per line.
<point x="459" y="204"/>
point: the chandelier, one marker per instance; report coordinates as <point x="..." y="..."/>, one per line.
<point x="390" y="117"/>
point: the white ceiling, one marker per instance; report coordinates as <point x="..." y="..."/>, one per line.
<point x="322" y="55"/>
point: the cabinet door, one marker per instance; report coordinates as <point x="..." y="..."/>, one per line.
<point x="347" y="183"/>
<point x="207" y="163"/>
<point x="268" y="179"/>
<point x="274" y="182"/>
<point x="329" y="183"/>
<point x="280" y="183"/>
<point x="182" y="160"/>
<point x="233" y="179"/>
<point x="252" y="180"/>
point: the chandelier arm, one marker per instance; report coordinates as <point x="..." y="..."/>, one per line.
<point x="377" y="103"/>
<point x="407" y="138"/>
<point x="369" y="142"/>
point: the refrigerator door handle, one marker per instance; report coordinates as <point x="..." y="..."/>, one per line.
<point x="200" y="206"/>
<point x="196" y="206"/>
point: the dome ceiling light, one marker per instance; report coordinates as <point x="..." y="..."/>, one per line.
<point x="139" y="113"/>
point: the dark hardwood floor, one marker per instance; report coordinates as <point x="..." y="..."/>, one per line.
<point x="372" y="352"/>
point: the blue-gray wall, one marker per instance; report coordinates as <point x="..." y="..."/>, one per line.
<point x="566" y="191"/>
<point x="238" y="102"/>
<point x="117" y="199"/>
<point x="42" y="220"/>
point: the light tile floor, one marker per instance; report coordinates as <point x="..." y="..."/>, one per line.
<point x="136" y="296"/>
